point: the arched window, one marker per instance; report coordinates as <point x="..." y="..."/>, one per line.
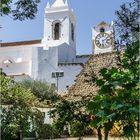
<point x="56" y="34"/>
<point x="7" y="61"/>
<point x="102" y="30"/>
<point x="72" y="32"/>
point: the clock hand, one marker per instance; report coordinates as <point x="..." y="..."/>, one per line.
<point x="102" y="41"/>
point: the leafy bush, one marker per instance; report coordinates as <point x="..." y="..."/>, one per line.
<point x="47" y="131"/>
<point x="68" y="116"/>
<point x="78" y="129"/>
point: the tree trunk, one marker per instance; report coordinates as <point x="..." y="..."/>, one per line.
<point x="20" y="137"/>
<point x="106" y="135"/>
<point x="99" y="133"/>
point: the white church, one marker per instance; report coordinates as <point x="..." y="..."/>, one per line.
<point x="53" y="59"/>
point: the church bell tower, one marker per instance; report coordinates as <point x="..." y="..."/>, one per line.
<point x="59" y="25"/>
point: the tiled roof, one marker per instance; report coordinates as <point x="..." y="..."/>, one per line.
<point x="12" y="44"/>
<point x="83" y="56"/>
<point x="70" y="64"/>
<point x="102" y="23"/>
<point x="83" y="86"/>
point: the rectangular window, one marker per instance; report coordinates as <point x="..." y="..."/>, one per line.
<point x="53" y="75"/>
<point x="72" y="31"/>
<point x="61" y="74"/>
<point x="57" y="74"/>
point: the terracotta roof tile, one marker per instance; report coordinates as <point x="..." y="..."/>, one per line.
<point x="83" y="56"/>
<point x="83" y="87"/>
<point x="12" y="44"/>
<point x="70" y="64"/>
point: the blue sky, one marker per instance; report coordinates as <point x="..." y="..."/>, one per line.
<point x="88" y="14"/>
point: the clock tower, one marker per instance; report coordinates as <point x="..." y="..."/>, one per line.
<point x="103" y="38"/>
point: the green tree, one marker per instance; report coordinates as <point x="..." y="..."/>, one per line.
<point x="20" y="9"/>
<point x="18" y="109"/>
<point x="70" y="118"/>
<point x="47" y="131"/>
<point x="41" y="90"/>
<point x="118" y="97"/>
<point x="127" y="23"/>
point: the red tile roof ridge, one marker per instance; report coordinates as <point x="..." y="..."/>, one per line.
<point x="18" y="43"/>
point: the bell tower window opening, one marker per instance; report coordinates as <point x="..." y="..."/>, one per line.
<point x="56" y="31"/>
<point x="72" y="32"/>
<point x="102" y="30"/>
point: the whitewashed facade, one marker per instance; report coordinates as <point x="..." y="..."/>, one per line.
<point x="53" y="58"/>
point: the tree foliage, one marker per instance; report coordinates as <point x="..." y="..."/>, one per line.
<point x="127" y="22"/>
<point x="20" y="9"/>
<point x="118" y="97"/>
<point x="41" y="90"/>
<point x="70" y="119"/>
<point x="48" y="131"/>
<point x="117" y="101"/>
<point x="18" y="110"/>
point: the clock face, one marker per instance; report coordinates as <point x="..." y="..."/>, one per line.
<point x="103" y="40"/>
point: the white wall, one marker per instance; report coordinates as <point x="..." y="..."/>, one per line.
<point x="40" y="63"/>
<point x="16" y="68"/>
<point x="66" y="53"/>
<point x="47" y="119"/>
<point x="15" y="52"/>
<point x="20" y="57"/>
<point x="20" y="78"/>
<point x="70" y="73"/>
<point x="47" y="61"/>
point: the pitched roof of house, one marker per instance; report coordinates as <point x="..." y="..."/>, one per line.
<point x="70" y="64"/>
<point x="103" y="23"/>
<point x="83" y="87"/>
<point x="83" y="56"/>
<point x="12" y="44"/>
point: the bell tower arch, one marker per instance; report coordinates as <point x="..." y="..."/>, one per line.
<point x="59" y="24"/>
<point x="56" y="30"/>
<point x="59" y="30"/>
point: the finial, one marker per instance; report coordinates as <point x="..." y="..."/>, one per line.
<point x="48" y="5"/>
<point x="58" y="3"/>
<point x="66" y="2"/>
